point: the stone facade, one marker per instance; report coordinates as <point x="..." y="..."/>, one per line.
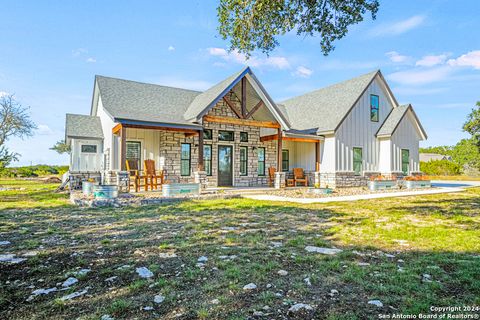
<point x="252" y="178"/>
<point x="76" y="179"/>
<point x="345" y="179"/>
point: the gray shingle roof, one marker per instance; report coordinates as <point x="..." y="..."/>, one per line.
<point x="82" y="126"/>
<point x="205" y="99"/>
<point x="392" y="120"/>
<point x="131" y="100"/>
<point x="324" y="109"/>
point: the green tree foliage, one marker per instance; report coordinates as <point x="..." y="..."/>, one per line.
<point x="467" y="154"/>
<point x="444" y="150"/>
<point x="61" y="147"/>
<point x="440" y="167"/>
<point x="472" y="125"/>
<point x="255" y="24"/>
<point x="33" y="171"/>
<point x="14" y="122"/>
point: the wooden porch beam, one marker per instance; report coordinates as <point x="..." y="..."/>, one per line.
<point x="257" y="106"/>
<point x="275" y="137"/>
<point x="242" y="122"/>
<point x="232" y="107"/>
<point x="117" y="128"/>
<point x="244" y="97"/>
<point x="317" y="156"/>
<point x="123" y="148"/>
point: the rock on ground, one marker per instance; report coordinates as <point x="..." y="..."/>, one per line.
<point x="74" y="295"/>
<point x="250" y="286"/>
<point x="158" y="298"/>
<point x="301" y="310"/>
<point x="143" y="272"/>
<point x="376" y="303"/>
<point x="10" y="258"/>
<point x="69" y="282"/>
<point x="202" y="259"/>
<point x="4" y="243"/>
<point x="328" y="251"/>
<point x="107" y="317"/>
<point x="282" y="272"/>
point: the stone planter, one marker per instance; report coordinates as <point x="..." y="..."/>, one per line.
<point x="320" y="191"/>
<point x="418" y="184"/>
<point x="175" y="189"/>
<point x="382" y="184"/>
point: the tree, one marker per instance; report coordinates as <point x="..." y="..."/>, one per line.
<point x="256" y="24"/>
<point x="472" y="125"/>
<point x="14" y="122"/>
<point x="61" y="147"/>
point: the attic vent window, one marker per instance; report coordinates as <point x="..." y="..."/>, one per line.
<point x="374" y="106"/>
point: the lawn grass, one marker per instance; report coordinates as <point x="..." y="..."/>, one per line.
<point x="401" y="239"/>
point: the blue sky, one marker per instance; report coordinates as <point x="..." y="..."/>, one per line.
<point x="429" y="52"/>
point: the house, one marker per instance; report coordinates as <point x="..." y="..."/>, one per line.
<point x="426" y="157"/>
<point x="230" y="134"/>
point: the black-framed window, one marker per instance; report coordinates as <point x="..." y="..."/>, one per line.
<point x="134" y="153"/>
<point x="89" y="148"/>
<point x="185" y="160"/>
<point x="243" y="161"/>
<point x="357" y="161"/>
<point x="207" y="158"/>
<point x="224" y="135"/>
<point x="261" y="161"/>
<point x="374" y="107"/>
<point x="405" y="161"/>
<point x="285" y="160"/>
<point x="207" y="134"/>
<point x="243" y="136"/>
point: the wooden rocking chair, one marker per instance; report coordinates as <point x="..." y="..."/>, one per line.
<point x="299" y="177"/>
<point x="271" y="176"/>
<point x="135" y="174"/>
<point x="152" y="176"/>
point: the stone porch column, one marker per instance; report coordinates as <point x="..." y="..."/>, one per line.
<point x="201" y="178"/>
<point x="279" y="180"/>
<point x="317" y="179"/>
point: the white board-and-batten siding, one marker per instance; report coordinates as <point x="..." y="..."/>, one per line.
<point x="301" y="155"/>
<point x="357" y="130"/>
<point x="110" y="142"/>
<point x="406" y="136"/>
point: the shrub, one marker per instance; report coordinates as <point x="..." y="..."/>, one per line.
<point x="440" y="168"/>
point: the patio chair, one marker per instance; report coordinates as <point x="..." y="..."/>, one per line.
<point x="135" y="174"/>
<point x="271" y="176"/>
<point x="299" y="177"/>
<point x="152" y="176"/>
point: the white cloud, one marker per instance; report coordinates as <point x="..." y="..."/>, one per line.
<point x="418" y="77"/>
<point x="171" y="48"/>
<point x="44" y="130"/>
<point x="396" y="57"/>
<point x="91" y="60"/>
<point x="398" y="27"/>
<point x="432" y="60"/>
<point x="78" y="52"/>
<point x="3" y="94"/>
<point x="471" y="59"/>
<point x="303" y="72"/>
<point x="278" y="62"/>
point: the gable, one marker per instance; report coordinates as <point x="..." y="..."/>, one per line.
<point x="396" y="117"/>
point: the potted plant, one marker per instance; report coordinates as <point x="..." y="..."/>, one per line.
<point x="417" y="182"/>
<point x="381" y="182"/>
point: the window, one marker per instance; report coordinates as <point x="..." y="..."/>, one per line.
<point x="261" y="161"/>
<point x="357" y="161"/>
<point x="207" y="134"/>
<point x="405" y="161"/>
<point x="185" y="160"/>
<point x="374" y="105"/>
<point x="225" y="135"/>
<point x="243" y="136"/>
<point x="243" y="161"/>
<point x="207" y="158"/>
<point x="285" y="163"/>
<point x="134" y="153"/>
<point x="89" y="148"/>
